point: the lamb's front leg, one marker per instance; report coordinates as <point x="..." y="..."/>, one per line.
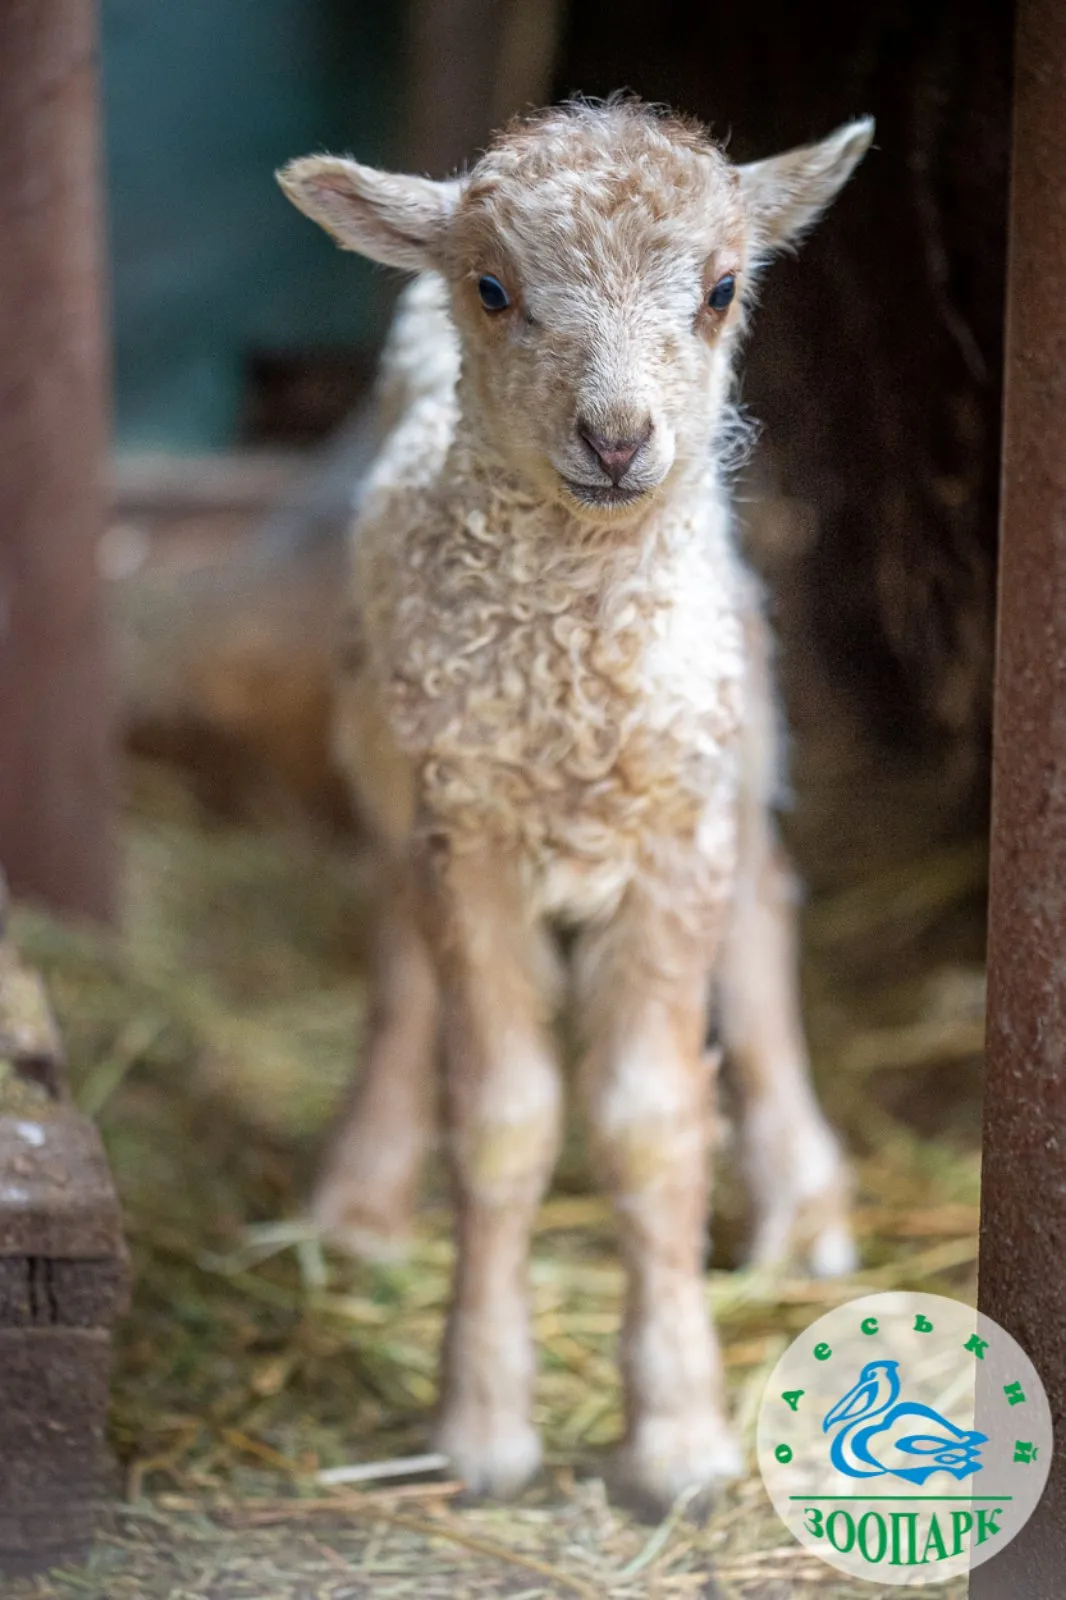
<point x="646" y="1081"/>
<point x="502" y="1114"/>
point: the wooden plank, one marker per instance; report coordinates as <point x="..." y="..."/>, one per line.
<point x="64" y="1278"/>
<point x="56" y="1194"/>
<point x="53" y="1410"/>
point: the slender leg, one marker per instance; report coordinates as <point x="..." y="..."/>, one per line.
<point x="797" y="1177"/>
<point x="647" y="1086"/>
<point x="502" y="1112"/>
<point x="368" y="1187"/>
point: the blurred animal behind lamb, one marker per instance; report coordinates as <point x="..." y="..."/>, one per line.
<point x="556" y="711"/>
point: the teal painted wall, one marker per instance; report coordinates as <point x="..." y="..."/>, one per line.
<point x="203" y="99"/>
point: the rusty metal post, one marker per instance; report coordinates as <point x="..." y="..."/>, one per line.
<point x="1023" y="1209"/>
<point x="55" y="706"/>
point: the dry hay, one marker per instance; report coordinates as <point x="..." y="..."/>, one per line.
<point x="210" y="1042"/>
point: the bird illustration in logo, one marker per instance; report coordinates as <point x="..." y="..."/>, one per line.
<point x="879" y="1435"/>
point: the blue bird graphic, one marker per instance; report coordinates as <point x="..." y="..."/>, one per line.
<point x="878" y="1435"/>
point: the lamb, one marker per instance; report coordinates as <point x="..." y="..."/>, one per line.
<point x="556" y="712"/>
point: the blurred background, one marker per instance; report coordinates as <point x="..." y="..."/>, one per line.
<point x="242" y="335"/>
<point x="212" y="1025"/>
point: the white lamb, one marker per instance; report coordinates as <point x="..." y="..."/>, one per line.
<point x="556" y="712"/>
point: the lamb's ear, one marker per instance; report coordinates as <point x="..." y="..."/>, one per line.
<point x="786" y="194"/>
<point x="396" y="220"/>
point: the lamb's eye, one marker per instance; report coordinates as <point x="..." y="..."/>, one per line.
<point x="494" y="296"/>
<point x="722" y="293"/>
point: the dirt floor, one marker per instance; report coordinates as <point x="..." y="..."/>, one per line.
<point x="211" y="1038"/>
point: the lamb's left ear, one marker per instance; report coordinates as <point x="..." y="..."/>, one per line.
<point x="786" y="194"/>
<point x="393" y="219"/>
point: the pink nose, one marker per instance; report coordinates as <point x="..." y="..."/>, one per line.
<point x="615" y="456"/>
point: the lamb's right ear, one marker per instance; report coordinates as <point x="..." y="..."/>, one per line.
<point x="396" y="220"/>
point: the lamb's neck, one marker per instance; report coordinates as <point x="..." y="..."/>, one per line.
<point x="504" y="508"/>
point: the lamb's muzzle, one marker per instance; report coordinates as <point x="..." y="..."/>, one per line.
<point x="615" y="455"/>
<point x="561" y="712"/>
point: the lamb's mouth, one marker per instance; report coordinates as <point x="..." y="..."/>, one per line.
<point x="606" y="495"/>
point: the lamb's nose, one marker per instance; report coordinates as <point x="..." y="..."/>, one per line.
<point x="614" y="455"/>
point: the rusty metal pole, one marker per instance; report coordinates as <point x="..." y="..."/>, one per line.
<point x="1023" y="1207"/>
<point x="55" y="702"/>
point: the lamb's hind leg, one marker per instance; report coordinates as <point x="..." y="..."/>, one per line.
<point x="368" y="1186"/>
<point x="794" y="1168"/>
<point x="646" y="1082"/>
<point x="796" y="1175"/>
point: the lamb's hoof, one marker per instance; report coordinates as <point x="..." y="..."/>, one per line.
<point x="786" y="1237"/>
<point x="833" y="1252"/>
<point x="492" y="1456"/>
<point x="666" y="1458"/>
<point x="365" y="1232"/>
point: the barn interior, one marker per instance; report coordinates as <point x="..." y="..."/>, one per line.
<point x="211" y="1030"/>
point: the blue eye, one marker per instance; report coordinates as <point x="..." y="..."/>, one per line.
<point x="722" y="293"/>
<point x="494" y="296"/>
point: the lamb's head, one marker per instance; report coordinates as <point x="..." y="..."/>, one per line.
<point x="600" y="260"/>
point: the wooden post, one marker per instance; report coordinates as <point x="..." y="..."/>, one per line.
<point x="64" y="1278"/>
<point x="1023" y="1208"/>
<point x="55" y="701"/>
